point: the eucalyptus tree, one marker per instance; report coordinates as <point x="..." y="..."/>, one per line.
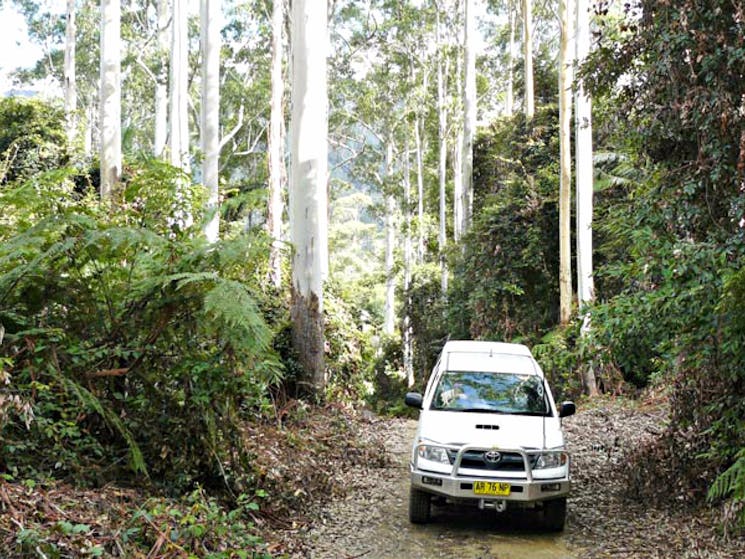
<point x="164" y="27"/>
<point x="509" y="99"/>
<point x="566" y="61"/>
<point x="584" y="190"/>
<point x="70" y="84"/>
<point x="469" y="110"/>
<point x="442" y="119"/>
<point x="111" y="137"/>
<point x="528" y="95"/>
<point x="210" y="112"/>
<point x="583" y="164"/>
<point x="275" y="144"/>
<point x="308" y="186"/>
<point x="179" y="93"/>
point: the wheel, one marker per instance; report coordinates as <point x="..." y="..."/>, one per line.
<point x="420" y="503"/>
<point x="555" y="514"/>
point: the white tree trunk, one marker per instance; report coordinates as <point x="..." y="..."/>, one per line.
<point x="179" y="100"/>
<point x="509" y="98"/>
<point x="457" y="155"/>
<point x="442" y="139"/>
<point x="161" y="83"/>
<point x="389" y="317"/>
<point x="418" y="132"/>
<point x="276" y="147"/>
<point x="308" y="186"/>
<point x="566" y="57"/>
<point x="469" y="109"/>
<point x="210" y="35"/>
<point x="111" y="122"/>
<point x="528" y="56"/>
<point x="71" y="100"/>
<point x="584" y="195"/>
<point x="407" y="334"/>
<point x="584" y="165"/>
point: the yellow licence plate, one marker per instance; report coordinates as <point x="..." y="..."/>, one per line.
<point x="495" y="488"/>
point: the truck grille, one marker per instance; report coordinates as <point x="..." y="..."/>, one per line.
<point x="509" y="461"/>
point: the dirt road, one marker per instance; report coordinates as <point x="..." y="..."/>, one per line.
<point x="371" y="521"/>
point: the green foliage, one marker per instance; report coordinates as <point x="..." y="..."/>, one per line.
<point x="127" y="338"/>
<point x="32" y="138"/>
<point x="504" y="283"/>
<point x="428" y="319"/>
<point x="671" y="297"/>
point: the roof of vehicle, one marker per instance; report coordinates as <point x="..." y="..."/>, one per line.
<point x="498" y="357"/>
<point x="481" y="346"/>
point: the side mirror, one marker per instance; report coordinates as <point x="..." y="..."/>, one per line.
<point x="567" y="409"/>
<point x="414" y="400"/>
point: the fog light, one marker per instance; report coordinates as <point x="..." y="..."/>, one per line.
<point x="431" y="481"/>
<point x="550" y="487"/>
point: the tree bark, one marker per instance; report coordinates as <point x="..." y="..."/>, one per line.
<point x="565" y="160"/>
<point x="111" y="138"/>
<point x="276" y="147"/>
<point x="210" y="21"/>
<point x="528" y="57"/>
<point x="407" y="334"/>
<point x="69" y="72"/>
<point x="161" y="82"/>
<point x="179" y="100"/>
<point x="442" y="166"/>
<point x="389" y="322"/>
<point x="510" y="94"/>
<point x="585" y="177"/>
<point x="308" y="187"/>
<point x="469" y="120"/>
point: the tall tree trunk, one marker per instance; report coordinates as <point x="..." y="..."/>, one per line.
<point x="565" y="160"/>
<point x="457" y="154"/>
<point x="308" y="184"/>
<point x="161" y="82"/>
<point x="111" y="120"/>
<point x="407" y="334"/>
<point x="179" y="101"/>
<point x="442" y="139"/>
<point x="276" y="147"/>
<point x="509" y="98"/>
<point x="210" y="34"/>
<point x="469" y="109"/>
<point x="69" y="72"/>
<point x="420" y="149"/>
<point x="389" y="322"/>
<point x="528" y="57"/>
<point x="584" y="195"/>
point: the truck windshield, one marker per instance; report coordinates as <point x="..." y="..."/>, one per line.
<point x="470" y="391"/>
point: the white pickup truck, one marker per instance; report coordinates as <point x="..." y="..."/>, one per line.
<point x="489" y="434"/>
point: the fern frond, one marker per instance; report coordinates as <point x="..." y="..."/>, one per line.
<point x="731" y="482"/>
<point x="237" y="318"/>
<point x="90" y="400"/>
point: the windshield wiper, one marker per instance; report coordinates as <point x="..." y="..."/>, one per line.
<point x="482" y="410"/>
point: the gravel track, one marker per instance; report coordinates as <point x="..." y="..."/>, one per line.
<point x="371" y="520"/>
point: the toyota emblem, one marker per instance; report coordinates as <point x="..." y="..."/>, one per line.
<point x="492" y="456"/>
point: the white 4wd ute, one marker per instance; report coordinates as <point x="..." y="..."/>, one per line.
<point x="489" y="434"/>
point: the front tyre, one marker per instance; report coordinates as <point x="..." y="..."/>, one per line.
<point x="420" y="505"/>
<point x="555" y="514"/>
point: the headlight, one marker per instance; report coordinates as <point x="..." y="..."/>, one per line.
<point x="433" y="453"/>
<point x="550" y="460"/>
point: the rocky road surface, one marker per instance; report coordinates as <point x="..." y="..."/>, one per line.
<point x="371" y="520"/>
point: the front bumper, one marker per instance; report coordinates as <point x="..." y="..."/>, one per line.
<point x="457" y="486"/>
